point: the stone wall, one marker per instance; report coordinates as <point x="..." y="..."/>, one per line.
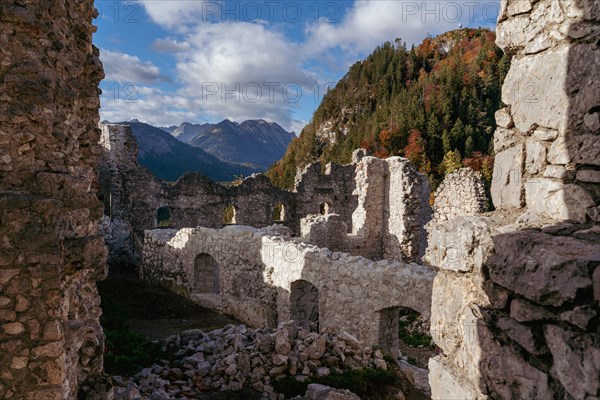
<point x="514" y="309"/>
<point x="393" y="208"/>
<point x="51" y="342"/>
<point x="132" y="196"/>
<point x="546" y="144"/>
<point x="260" y="274"/>
<point x="516" y="300"/>
<point x="384" y="203"/>
<point x="461" y="193"/>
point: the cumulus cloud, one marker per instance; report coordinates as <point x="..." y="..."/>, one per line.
<point x="123" y="67"/>
<point x="243" y="70"/>
<point x="175" y="14"/>
<point x="370" y="23"/>
<point x="367" y="24"/>
<point x="170" y="46"/>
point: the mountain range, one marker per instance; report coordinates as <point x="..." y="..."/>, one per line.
<point x="169" y="159"/>
<point x="256" y="143"/>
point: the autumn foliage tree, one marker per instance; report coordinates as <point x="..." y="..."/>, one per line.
<point x="415" y="152"/>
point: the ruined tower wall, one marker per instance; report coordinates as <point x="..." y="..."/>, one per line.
<point x="461" y="193"/>
<point x="334" y="187"/>
<point x="51" y="342"/>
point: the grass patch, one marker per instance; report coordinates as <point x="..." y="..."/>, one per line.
<point x="126" y="352"/>
<point x="409" y="336"/>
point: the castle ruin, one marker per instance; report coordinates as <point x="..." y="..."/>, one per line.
<point x="513" y="295"/>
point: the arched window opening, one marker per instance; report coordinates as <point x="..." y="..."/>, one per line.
<point x="163" y="217"/>
<point x="206" y="274"/>
<point x="229" y="215"/>
<point x="279" y="213"/>
<point x="304" y="305"/>
<point x="324" y="208"/>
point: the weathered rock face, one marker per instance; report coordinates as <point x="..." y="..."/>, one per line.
<point x="461" y="193"/>
<point x="547" y="141"/>
<point x="513" y="308"/>
<point x="51" y="342"/>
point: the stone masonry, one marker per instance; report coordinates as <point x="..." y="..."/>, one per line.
<point x="516" y="299"/>
<point x="546" y="144"/>
<point x="388" y="222"/>
<point x="461" y="193"/>
<point x="260" y="273"/>
<point x="51" y="342"/>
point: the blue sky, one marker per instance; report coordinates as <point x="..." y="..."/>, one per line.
<point x="170" y="61"/>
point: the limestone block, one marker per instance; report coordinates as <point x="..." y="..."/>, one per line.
<point x="446" y="383"/>
<point x="584" y="87"/>
<point x="588" y="176"/>
<point x="533" y="101"/>
<point x="519" y="333"/>
<point x="531" y="26"/>
<point x="507" y="183"/>
<point x="456" y="323"/>
<point x="526" y="312"/>
<point x="559" y="152"/>
<point x="576" y="361"/>
<point x="505" y="138"/>
<point x="462" y="244"/>
<point x="558" y="172"/>
<point x="508" y="376"/>
<point x="549" y="270"/>
<point x="545" y="134"/>
<point x="554" y="199"/>
<point x="536" y="156"/>
<point x="503" y="118"/>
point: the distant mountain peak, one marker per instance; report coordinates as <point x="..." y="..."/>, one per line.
<point x="254" y="141"/>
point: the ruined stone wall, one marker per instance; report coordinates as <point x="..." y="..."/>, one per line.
<point x="393" y="207"/>
<point x="516" y="300"/>
<point x="259" y="271"/>
<point x="334" y="187"/>
<point x="546" y="144"/>
<point x="514" y="309"/>
<point x="51" y="342"/>
<point x="132" y="196"/>
<point x="461" y="193"/>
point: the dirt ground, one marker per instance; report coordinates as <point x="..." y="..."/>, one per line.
<point x="152" y="310"/>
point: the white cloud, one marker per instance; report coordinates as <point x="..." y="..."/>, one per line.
<point x="369" y="23"/>
<point x="170" y="46"/>
<point x="123" y="67"/>
<point x="175" y="13"/>
<point x="241" y="70"/>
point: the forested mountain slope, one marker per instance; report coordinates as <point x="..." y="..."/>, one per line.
<point x="422" y="103"/>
